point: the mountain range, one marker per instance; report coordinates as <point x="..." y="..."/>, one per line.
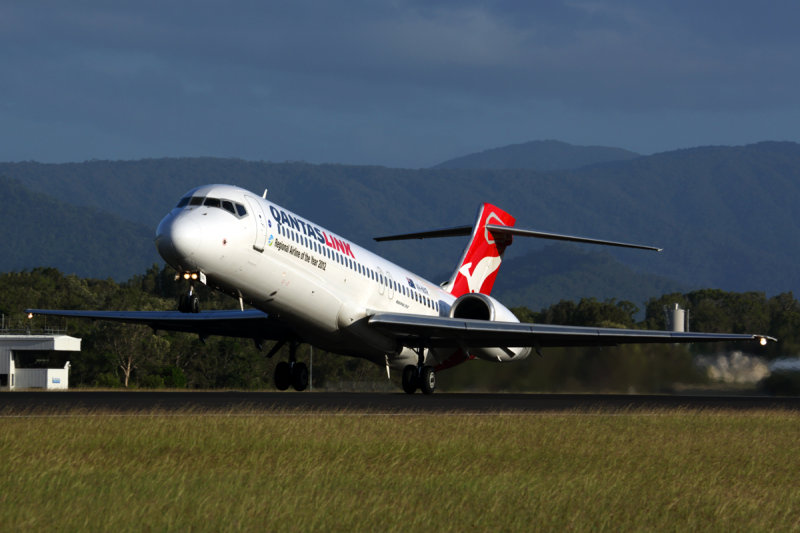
<point x="726" y="216"/>
<point x="543" y="156"/>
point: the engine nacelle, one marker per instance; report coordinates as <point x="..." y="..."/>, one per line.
<point x="477" y="306"/>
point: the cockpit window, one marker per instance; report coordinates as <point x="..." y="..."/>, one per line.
<point x="234" y="208"/>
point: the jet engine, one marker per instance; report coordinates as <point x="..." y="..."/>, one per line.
<point x="478" y="306"/>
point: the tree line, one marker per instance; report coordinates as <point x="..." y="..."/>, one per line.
<point x="120" y="355"/>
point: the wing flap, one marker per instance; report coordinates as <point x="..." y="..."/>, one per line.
<point x="444" y="331"/>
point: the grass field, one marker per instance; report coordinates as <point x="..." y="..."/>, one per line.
<point x="675" y="471"/>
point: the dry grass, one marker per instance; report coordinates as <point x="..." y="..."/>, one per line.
<point x="300" y="472"/>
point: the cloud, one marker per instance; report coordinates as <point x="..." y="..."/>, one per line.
<point x="174" y="74"/>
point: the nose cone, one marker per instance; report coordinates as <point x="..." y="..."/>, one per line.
<point x="179" y="240"/>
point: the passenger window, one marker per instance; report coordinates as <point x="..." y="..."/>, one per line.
<point x="196" y="200"/>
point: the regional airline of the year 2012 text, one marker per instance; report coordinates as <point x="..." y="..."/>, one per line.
<point x="305" y="284"/>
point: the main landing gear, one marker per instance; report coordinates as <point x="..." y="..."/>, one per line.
<point x="421" y="376"/>
<point x="292" y="373"/>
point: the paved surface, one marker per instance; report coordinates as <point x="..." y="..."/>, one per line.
<point x="42" y="402"/>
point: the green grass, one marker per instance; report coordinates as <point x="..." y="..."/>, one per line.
<point x="674" y="471"/>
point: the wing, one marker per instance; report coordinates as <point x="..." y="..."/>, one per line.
<point x="438" y="332"/>
<point x="250" y="323"/>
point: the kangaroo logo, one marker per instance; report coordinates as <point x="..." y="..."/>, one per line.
<point x="482" y="270"/>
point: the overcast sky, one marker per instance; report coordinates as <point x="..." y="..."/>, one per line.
<point x="398" y="83"/>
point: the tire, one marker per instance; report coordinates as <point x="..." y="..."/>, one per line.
<point x="183" y="306"/>
<point x="427" y="380"/>
<point x="299" y="376"/>
<point x="283" y="375"/>
<point x="410" y="379"/>
<point x="189" y="303"/>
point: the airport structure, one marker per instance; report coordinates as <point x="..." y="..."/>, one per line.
<point x="677" y="318"/>
<point x="36" y="361"/>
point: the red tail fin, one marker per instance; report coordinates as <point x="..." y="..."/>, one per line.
<point x="477" y="269"/>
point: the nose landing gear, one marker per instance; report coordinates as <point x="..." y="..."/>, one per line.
<point x="189" y="303"/>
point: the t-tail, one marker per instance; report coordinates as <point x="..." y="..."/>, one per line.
<point x="491" y="235"/>
<point x="477" y="269"/>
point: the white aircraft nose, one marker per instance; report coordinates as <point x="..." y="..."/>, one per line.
<point x="178" y="239"/>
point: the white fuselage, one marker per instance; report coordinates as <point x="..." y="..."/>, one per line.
<point x="319" y="284"/>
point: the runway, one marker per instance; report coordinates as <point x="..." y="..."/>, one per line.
<point x="121" y="402"/>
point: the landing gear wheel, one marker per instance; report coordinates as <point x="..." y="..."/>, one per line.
<point x="410" y="379"/>
<point x="283" y="375"/>
<point x="427" y="380"/>
<point x="189" y="303"/>
<point x="299" y="376"/>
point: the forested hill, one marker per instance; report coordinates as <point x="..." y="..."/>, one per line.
<point x="565" y="272"/>
<point x="540" y="155"/>
<point x="39" y="230"/>
<point x="726" y="216"/>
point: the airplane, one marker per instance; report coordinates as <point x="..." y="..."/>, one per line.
<point x="306" y="284"/>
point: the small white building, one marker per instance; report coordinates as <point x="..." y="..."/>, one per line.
<point x="26" y="361"/>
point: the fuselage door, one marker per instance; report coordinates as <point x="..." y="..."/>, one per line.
<point x="381" y="280"/>
<point x="260" y="222"/>
<point x="390" y="285"/>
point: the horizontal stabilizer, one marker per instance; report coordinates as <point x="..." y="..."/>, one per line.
<point x="508" y="230"/>
<point x="558" y="237"/>
<point x="446" y="232"/>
